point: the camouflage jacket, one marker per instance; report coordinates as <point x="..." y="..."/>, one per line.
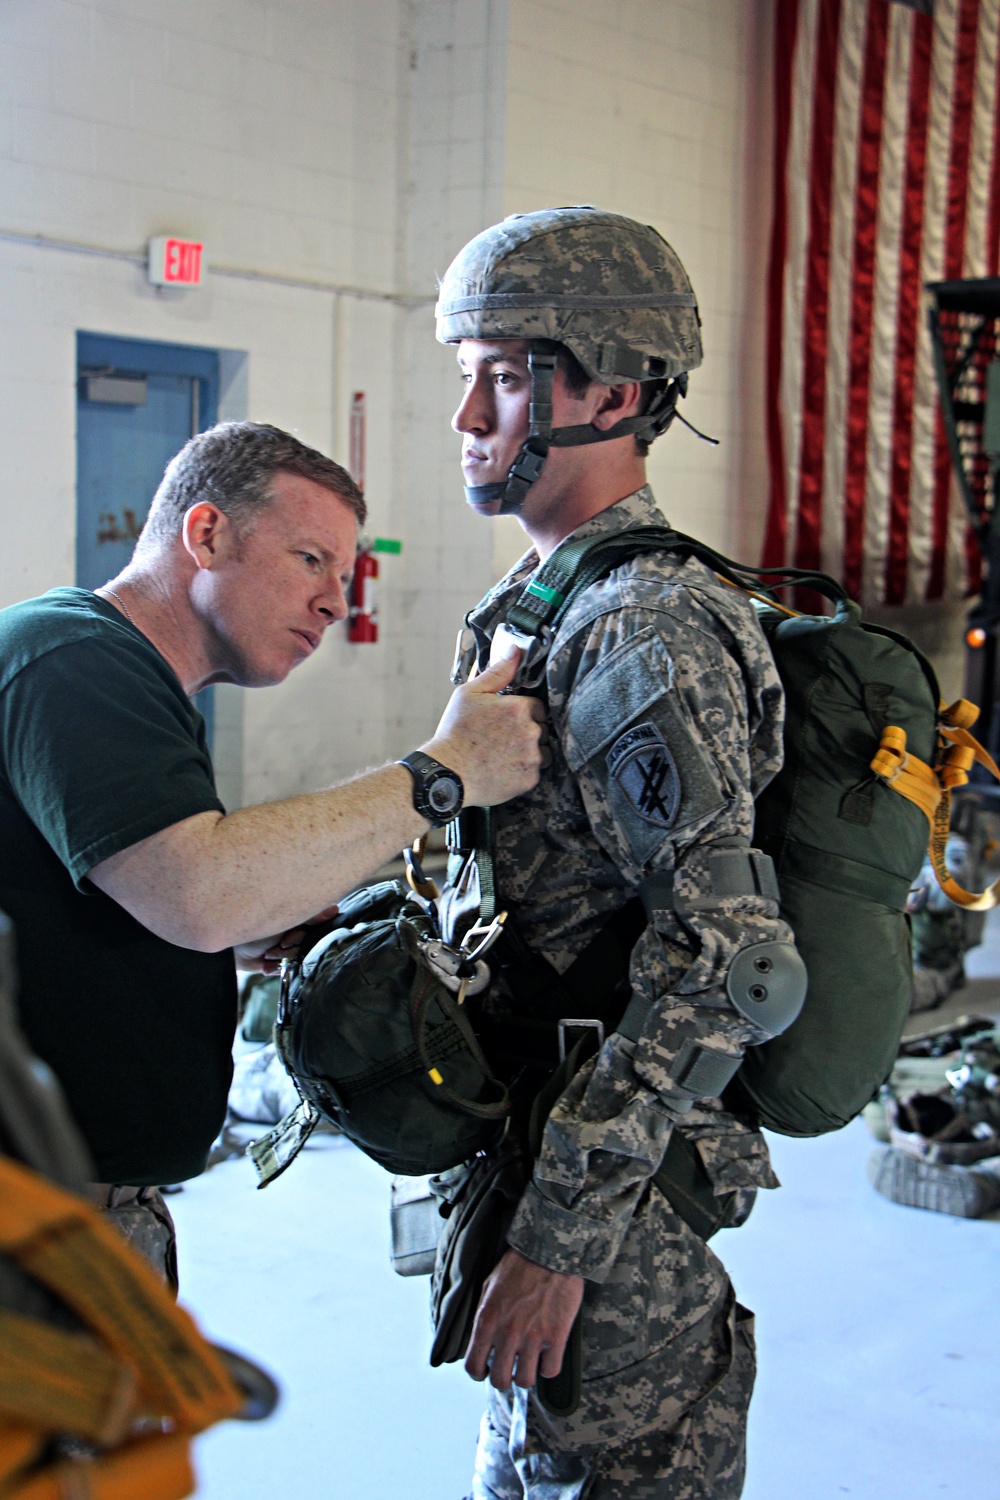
<point x="658" y="653"/>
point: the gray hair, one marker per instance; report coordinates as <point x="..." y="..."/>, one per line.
<point x="232" y="466"/>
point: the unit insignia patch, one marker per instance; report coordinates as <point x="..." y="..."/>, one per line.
<point x="644" y="768"/>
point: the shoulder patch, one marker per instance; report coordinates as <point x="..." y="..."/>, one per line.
<point x="643" y="767"/>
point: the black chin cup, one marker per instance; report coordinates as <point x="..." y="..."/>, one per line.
<point x="482" y="497"/>
<point x="512" y="491"/>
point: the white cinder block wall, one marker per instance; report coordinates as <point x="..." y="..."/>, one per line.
<point x="358" y="143"/>
<point x="659" y="109"/>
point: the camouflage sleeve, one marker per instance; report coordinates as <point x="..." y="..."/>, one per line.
<point x="657" y="735"/>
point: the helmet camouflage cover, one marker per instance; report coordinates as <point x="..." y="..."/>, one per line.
<point x="612" y="290"/>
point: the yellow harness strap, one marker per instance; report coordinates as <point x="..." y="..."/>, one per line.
<point x="143" y="1361"/>
<point x="153" y="1468"/>
<point x="929" y="787"/>
<point x="64" y="1382"/>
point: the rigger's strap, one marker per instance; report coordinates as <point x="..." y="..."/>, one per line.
<point x="930" y="788"/>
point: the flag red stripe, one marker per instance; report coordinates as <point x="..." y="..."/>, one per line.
<point x="909" y="308"/>
<point x="863" y="292"/>
<point x="817" y="292"/>
<point x="785" y="33"/>
<point x="958" y="179"/>
<point x="992" y="266"/>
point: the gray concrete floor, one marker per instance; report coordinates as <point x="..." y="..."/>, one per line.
<point x="878" y="1330"/>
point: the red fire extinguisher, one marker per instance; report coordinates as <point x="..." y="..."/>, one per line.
<point x="362" y="623"/>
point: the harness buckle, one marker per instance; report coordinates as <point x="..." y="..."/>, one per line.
<point x="462" y="976"/>
<point x="486" y="933"/>
<point x="586" y="1023"/>
<point x="536" y="649"/>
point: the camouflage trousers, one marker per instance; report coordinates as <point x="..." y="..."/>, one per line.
<point x="143" y="1219"/>
<point x="668" y="1370"/>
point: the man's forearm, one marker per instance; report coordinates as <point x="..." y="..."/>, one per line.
<point x="213" y="881"/>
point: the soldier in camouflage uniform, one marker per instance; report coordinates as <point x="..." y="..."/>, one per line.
<point x="666" y="716"/>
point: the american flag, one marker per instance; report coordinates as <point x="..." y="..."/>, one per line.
<point x="887" y="175"/>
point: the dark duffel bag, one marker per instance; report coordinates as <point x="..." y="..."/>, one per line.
<point x="378" y="1044"/>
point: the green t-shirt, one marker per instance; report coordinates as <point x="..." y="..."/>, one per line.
<point x="101" y="747"/>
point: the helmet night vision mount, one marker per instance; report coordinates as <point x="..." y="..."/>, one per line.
<point x="608" y="288"/>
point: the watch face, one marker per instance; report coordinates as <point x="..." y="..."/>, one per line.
<point x="443" y="795"/>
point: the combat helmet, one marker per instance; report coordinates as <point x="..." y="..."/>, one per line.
<point x="608" y="288"/>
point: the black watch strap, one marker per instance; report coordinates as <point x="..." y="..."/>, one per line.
<point x="438" y="792"/>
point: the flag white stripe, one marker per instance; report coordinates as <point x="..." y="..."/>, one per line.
<point x="847" y="125"/>
<point x="799" y="150"/>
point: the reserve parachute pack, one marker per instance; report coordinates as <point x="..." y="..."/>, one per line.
<point x="871" y="755"/>
<point x="373" y="1029"/>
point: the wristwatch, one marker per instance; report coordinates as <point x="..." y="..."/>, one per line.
<point x="437" y="792"/>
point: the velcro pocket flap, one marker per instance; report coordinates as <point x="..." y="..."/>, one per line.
<point x="635" y="675"/>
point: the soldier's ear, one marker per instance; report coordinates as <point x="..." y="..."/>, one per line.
<point x="616" y="402"/>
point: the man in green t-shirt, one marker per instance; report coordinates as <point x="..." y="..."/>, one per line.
<point x="128" y="883"/>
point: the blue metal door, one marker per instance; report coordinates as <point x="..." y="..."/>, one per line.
<point x="137" y="405"/>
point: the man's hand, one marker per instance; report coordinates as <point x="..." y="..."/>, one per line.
<point x="265" y="956"/>
<point x="493" y="742"/>
<point x="524" y="1319"/>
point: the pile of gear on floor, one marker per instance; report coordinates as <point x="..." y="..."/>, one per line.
<point x="939" y="1112"/>
<point x="942" y="932"/>
<point x="939" y="1117"/>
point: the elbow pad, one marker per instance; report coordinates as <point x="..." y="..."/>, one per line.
<point x="767" y="984"/>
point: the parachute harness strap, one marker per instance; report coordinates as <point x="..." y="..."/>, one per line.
<point x="930" y="787"/>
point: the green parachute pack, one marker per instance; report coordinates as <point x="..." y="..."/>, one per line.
<point x="870" y="756"/>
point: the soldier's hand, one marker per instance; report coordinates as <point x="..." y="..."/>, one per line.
<point x="494" y="742"/>
<point x="524" y="1319"/>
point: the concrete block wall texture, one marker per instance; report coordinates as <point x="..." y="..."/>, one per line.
<point x="361" y="142"/>
<point x="661" y="111"/>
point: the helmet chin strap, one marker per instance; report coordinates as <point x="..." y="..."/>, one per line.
<point x="527" y="466"/>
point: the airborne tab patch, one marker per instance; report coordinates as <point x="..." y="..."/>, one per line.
<point x="646" y="771"/>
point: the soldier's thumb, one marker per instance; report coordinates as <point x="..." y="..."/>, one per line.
<point x="499" y="674"/>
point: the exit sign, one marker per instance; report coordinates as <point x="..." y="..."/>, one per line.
<point x="174" y="262"/>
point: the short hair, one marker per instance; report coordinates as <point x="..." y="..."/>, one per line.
<point x="232" y="466"/>
<point x="577" y="381"/>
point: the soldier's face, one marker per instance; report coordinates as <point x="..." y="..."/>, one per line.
<point x="493" y="414"/>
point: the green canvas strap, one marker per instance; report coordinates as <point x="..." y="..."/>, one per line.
<point x="580" y="561"/>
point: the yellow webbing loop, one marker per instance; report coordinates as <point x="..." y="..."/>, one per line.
<point x="930" y="788"/>
<point x="143" y="1358"/>
<point x="905" y="773"/>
